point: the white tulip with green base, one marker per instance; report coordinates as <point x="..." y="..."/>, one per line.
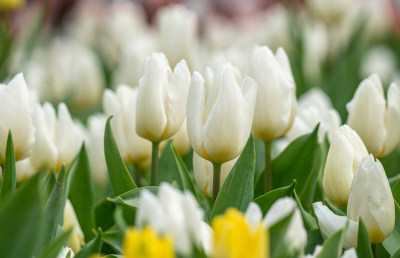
<point x="276" y="102"/>
<point x="375" y="119"/>
<point x="161" y="102"/>
<point x="219" y="116"/>
<point x="345" y="152"/>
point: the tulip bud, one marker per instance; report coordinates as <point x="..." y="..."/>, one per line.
<point x="76" y="239"/>
<point x="161" y="100"/>
<point x="276" y="102"/>
<point x="24" y="170"/>
<point x="371" y="199"/>
<point x="181" y="140"/>
<point x="375" y="120"/>
<point x="122" y="105"/>
<point x="203" y="173"/>
<point x="219" y="114"/>
<point x="345" y="152"/>
<point x="15" y="115"/>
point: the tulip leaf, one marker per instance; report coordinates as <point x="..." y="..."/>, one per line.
<point x="333" y="245"/>
<point x="114" y="237"/>
<point x="120" y="179"/>
<point x="81" y="194"/>
<point x="278" y="239"/>
<point x="54" y="248"/>
<point x="363" y="243"/>
<point x="8" y="183"/>
<point x="310" y="222"/>
<point x="93" y="247"/>
<point x="265" y="201"/>
<point x="238" y="188"/>
<point x="166" y="165"/>
<point x="314" y="238"/>
<point x="391" y="243"/>
<point x="396" y="192"/>
<point x="300" y="161"/>
<point x="396" y="254"/>
<point x="104" y="211"/>
<point x="131" y="198"/>
<point x="21" y="217"/>
<point x="55" y="207"/>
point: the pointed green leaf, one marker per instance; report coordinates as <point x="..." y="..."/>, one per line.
<point x="309" y="221"/>
<point x="396" y="192"/>
<point x="314" y="238"/>
<point x="131" y="198"/>
<point x="8" y="183"/>
<point x="54" y="248"/>
<point x="278" y="242"/>
<point x="333" y="245"/>
<point x="391" y="243"/>
<point x="300" y="161"/>
<point x="81" y="194"/>
<point x="363" y="244"/>
<point x="265" y="201"/>
<point x="120" y="179"/>
<point x="21" y="216"/>
<point x="104" y="214"/>
<point x="396" y="254"/>
<point x="114" y="237"/>
<point x="238" y="188"/>
<point x="93" y="247"/>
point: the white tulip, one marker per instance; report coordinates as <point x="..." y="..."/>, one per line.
<point x="24" y="170"/>
<point x="380" y="60"/>
<point x="15" y="116"/>
<point x="219" y="114"/>
<point x="371" y="199"/>
<point x="345" y="152"/>
<point x="161" y="100"/>
<point x="77" y="239"/>
<point x="122" y="105"/>
<point x="375" y="120"/>
<point x="276" y="102"/>
<point x="203" y="173"/>
<point x="177" y="27"/>
<point x="65" y="252"/>
<point x="176" y="214"/>
<point x="349" y="253"/>
<point x="181" y="140"/>
<point x="330" y="11"/>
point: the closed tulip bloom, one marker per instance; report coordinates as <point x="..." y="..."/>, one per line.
<point x="181" y="140"/>
<point x="276" y="103"/>
<point x="376" y="120"/>
<point x="371" y="199"/>
<point x="203" y="173"/>
<point x="122" y="105"/>
<point x="161" y="100"/>
<point x="15" y="114"/>
<point x="219" y="114"/>
<point x="77" y="239"/>
<point x="345" y="152"/>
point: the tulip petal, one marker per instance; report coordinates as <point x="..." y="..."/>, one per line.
<point x="392" y="120"/>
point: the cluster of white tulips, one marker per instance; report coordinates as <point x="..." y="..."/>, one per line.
<point x="201" y="137"/>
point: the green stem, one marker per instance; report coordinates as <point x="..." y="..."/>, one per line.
<point x="138" y="175"/>
<point x="154" y="163"/>
<point x="373" y="247"/>
<point x="216" y="181"/>
<point x="268" y="167"/>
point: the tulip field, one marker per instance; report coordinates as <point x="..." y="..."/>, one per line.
<point x="206" y="129"/>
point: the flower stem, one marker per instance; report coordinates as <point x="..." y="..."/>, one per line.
<point x="154" y="163"/>
<point x="268" y="167"/>
<point x="216" y="181"/>
<point x="138" y="175"/>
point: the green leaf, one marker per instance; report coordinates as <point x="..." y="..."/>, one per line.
<point x="120" y="179"/>
<point x="363" y="244"/>
<point x="309" y="221"/>
<point x="54" y="248"/>
<point x="314" y="238"/>
<point x="166" y="165"/>
<point x="238" y="188"/>
<point x="114" y="256"/>
<point x="93" y="247"/>
<point x="265" y="201"/>
<point x="278" y="243"/>
<point x="396" y="192"/>
<point x="300" y="161"/>
<point x="104" y="214"/>
<point x="114" y="237"/>
<point x="21" y="218"/>
<point x="131" y="198"/>
<point x="81" y="194"/>
<point x="391" y="243"/>
<point x="55" y="207"/>
<point x="333" y="245"/>
<point x="396" y="254"/>
<point x="8" y="183"/>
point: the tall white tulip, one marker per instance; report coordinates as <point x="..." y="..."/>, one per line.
<point x="219" y="115"/>
<point x="345" y="152"/>
<point x="15" y="114"/>
<point x="276" y="102"/>
<point x="77" y="239"/>
<point x="122" y="105"/>
<point x="370" y="199"/>
<point x="376" y="120"/>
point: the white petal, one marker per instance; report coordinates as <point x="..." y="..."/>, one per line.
<point x="253" y="215"/>
<point x="392" y="120"/>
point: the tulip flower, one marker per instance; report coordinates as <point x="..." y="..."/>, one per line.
<point x="161" y="102"/>
<point x="176" y="214"/>
<point x="276" y="102"/>
<point x="345" y="152"/>
<point x="219" y="115"/>
<point x="203" y="173"/>
<point x="370" y="199"/>
<point x="376" y="120"/>
<point x="76" y="240"/>
<point x="15" y="116"/>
